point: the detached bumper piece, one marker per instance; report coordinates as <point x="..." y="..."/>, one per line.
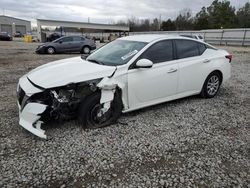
<point x="29" y="118"/>
<point x="29" y="111"/>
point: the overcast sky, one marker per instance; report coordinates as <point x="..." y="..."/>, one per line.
<point x="101" y="11"/>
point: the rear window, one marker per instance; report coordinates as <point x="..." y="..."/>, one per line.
<point x="186" y="48"/>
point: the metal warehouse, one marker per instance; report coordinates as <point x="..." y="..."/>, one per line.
<point x="12" y="25"/>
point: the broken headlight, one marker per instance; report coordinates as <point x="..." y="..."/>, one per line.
<point x="63" y="96"/>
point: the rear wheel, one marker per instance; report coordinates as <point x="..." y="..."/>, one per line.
<point x="211" y="85"/>
<point x="51" y="50"/>
<point x="91" y="116"/>
<point x="85" y="50"/>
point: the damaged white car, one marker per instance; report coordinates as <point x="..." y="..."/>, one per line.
<point x="127" y="74"/>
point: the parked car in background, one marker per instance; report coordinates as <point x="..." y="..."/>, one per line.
<point x="68" y="44"/>
<point x="5" y="36"/>
<point x="18" y="34"/>
<point x="125" y="75"/>
<point x="53" y="37"/>
<point x="197" y="37"/>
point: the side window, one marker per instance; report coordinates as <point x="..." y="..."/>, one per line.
<point x="186" y="48"/>
<point x="67" y="39"/>
<point x="202" y="48"/>
<point x="77" y="39"/>
<point x="160" y="52"/>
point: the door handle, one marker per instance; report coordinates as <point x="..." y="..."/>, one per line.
<point x="206" y="61"/>
<point x="172" y="70"/>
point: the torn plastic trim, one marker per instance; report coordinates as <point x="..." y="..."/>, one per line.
<point x="111" y="85"/>
<point x="107" y="94"/>
<point x="29" y="118"/>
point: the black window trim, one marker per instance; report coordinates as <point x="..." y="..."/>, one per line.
<point x="132" y="66"/>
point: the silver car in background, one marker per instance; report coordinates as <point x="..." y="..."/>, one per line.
<point x="67" y="44"/>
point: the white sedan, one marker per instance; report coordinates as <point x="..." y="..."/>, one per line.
<point x="127" y="74"/>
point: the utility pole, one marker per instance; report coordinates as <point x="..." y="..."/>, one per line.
<point x="160" y="22"/>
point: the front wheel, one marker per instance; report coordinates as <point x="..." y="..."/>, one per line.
<point x="90" y="114"/>
<point x="211" y="85"/>
<point x="51" y="50"/>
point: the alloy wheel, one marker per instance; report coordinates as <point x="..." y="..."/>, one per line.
<point x="213" y="85"/>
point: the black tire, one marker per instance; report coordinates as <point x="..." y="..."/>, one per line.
<point x="85" y="50"/>
<point x="89" y="108"/>
<point x="210" y="89"/>
<point x="50" y="50"/>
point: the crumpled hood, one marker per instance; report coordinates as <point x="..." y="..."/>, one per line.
<point x="71" y="70"/>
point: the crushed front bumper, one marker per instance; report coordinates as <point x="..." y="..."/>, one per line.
<point x="41" y="50"/>
<point x="29" y="118"/>
<point x="29" y="112"/>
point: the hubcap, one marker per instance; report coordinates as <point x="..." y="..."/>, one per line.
<point x="86" y="50"/>
<point x="51" y="50"/>
<point x="213" y="85"/>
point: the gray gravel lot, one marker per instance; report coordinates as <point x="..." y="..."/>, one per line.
<point x="188" y="142"/>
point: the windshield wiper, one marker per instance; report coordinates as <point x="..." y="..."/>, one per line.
<point x="95" y="61"/>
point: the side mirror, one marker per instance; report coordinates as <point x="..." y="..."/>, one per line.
<point x="60" y="42"/>
<point x="144" y="63"/>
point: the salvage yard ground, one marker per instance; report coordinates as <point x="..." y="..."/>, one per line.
<point x="192" y="141"/>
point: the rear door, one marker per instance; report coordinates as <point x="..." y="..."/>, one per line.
<point x="193" y="65"/>
<point x="77" y="44"/>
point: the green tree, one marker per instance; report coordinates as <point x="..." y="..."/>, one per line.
<point x="221" y="15"/>
<point x="201" y="19"/>
<point x="243" y="15"/>
<point x="184" y="21"/>
<point x="155" y="25"/>
<point x="168" y="25"/>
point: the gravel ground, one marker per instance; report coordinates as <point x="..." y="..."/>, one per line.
<point x="188" y="142"/>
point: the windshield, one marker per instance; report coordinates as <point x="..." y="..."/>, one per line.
<point x="118" y="52"/>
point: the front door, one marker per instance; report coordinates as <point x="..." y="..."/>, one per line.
<point x="64" y="45"/>
<point x="147" y="86"/>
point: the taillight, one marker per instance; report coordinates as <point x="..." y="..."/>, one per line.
<point x="230" y="57"/>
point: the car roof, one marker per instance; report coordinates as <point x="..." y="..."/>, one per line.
<point x="73" y="36"/>
<point x="150" y="37"/>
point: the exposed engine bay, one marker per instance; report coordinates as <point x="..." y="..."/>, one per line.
<point x="60" y="103"/>
<point x="64" y="101"/>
